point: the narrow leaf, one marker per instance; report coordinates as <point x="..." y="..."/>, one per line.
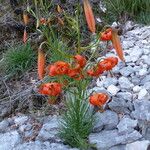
<point x="89" y="16"/>
<point x="41" y="64"/>
<point x="117" y="44"/>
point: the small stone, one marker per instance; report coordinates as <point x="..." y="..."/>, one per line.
<point x="145" y="79"/>
<point x="143" y="72"/>
<point x="147" y="86"/>
<point x="136" y="89"/>
<point x="146" y="51"/>
<point x="20" y="120"/>
<point x="109" y="81"/>
<point x="143" y="94"/>
<point x="9" y="140"/>
<point x="113" y="90"/>
<point x="49" y="130"/>
<point x="26" y="127"/>
<point x="125" y="95"/>
<point x="120" y="105"/>
<point x="142" y="110"/>
<point x="118" y="147"/>
<point x="107" y="120"/>
<point x="3" y="125"/>
<point x="136" y="53"/>
<point x="126" y="125"/>
<point x="107" y="139"/>
<point x="138" y="145"/>
<point x="125" y="83"/>
<point x="126" y="71"/>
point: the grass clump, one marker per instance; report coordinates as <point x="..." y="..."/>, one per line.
<point x="138" y="10"/>
<point x="77" y="122"/>
<point x="18" y="60"/>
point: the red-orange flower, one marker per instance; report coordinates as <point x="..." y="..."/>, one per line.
<point x="108" y="63"/>
<point x="98" y="99"/>
<point x="75" y="73"/>
<point x="51" y="89"/>
<point x="95" y="71"/>
<point x="80" y="60"/>
<point x="59" y="68"/>
<point x="106" y="35"/>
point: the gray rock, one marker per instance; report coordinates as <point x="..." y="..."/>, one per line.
<point x="126" y="125"/>
<point x="143" y="72"/>
<point x="118" y="147"/>
<point x="107" y="120"/>
<point x="49" y="130"/>
<point x="3" y="125"/>
<point x="145" y="127"/>
<point x="125" y="95"/>
<point x="142" y="110"/>
<point x="113" y="90"/>
<point x="136" y="80"/>
<point x="125" y="83"/>
<point x="126" y="71"/>
<point x="136" y="53"/>
<point x="138" y="145"/>
<point x="110" y="81"/>
<point x="42" y="146"/>
<point x="147" y="86"/>
<point x="20" y="120"/>
<point x="143" y="94"/>
<point x="9" y="140"/>
<point x="136" y="88"/>
<point x="145" y="80"/>
<point x="25" y="127"/>
<point x="120" y="105"/>
<point x="106" y="139"/>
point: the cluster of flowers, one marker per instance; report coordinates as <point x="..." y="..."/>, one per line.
<point x="77" y="71"/>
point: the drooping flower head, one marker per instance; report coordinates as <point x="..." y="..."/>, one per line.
<point x="80" y="60"/>
<point x="59" y="68"/>
<point x="98" y="99"/>
<point x="106" y="35"/>
<point x="50" y="89"/>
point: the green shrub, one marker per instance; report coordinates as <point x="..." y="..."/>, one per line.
<point x="17" y="60"/>
<point x="138" y="10"/>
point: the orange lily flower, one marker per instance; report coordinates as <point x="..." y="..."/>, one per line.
<point x="41" y="63"/>
<point x="106" y="35"/>
<point x="108" y="63"/>
<point x="75" y="73"/>
<point x="51" y="89"/>
<point x="89" y="16"/>
<point x="80" y="60"/>
<point x="117" y="44"/>
<point x="98" y="99"/>
<point x="95" y="71"/>
<point x="59" y="68"/>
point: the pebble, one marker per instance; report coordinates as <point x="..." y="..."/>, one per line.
<point x="21" y="120"/>
<point x="138" y="145"/>
<point x="113" y="90"/>
<point x="136" y="89"/>
<point x="143" y="94"/>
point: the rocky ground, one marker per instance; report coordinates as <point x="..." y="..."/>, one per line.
<point x="125" y="124"/>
